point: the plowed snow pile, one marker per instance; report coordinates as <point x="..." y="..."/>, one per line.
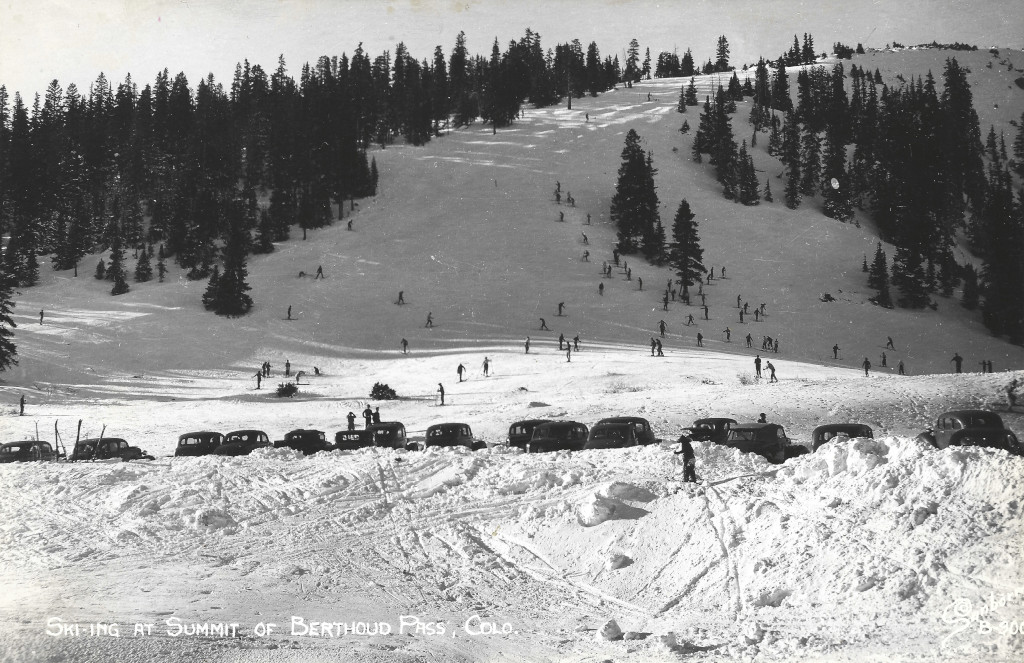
<point x="843" y="553"/>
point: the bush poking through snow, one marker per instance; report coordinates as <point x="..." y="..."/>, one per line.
<point x="287" y="389"/>
<point x="746" y="379"/>
<point x="382" y="392"/>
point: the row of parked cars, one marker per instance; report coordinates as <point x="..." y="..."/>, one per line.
<point x="955" y="428"/>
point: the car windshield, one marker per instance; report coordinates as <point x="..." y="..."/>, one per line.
<point x="606" y="433"/>
<point x="742" y="435"/>
<point x="981" y="421"/>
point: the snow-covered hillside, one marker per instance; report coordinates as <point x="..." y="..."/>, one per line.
<point x="865" y="550"/>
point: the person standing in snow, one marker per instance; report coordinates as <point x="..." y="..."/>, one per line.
<point x="661" y="327"/>
<point x="653" y="346"/>
<point x="889" y="345"/>
<point x="405" y="346"/>
<point x="561" y="306"/>
<point x="738" y="298"/>
<point x="763" y="419"/>
<point x="376" y="415"/>
<point x="527" y="344"/>
<point x="689" y="319"/>
<point x="750" y="341"/>
<point x="660" y="353"/>
<point x="440" y="390"/>
<point x="867" y="366"/>
<point x="287" y="367"/>
<point x="40" y="316"/>
<point x="487" y="366"/>
<point x="259" y="378"/>
<point x="561" y="340"/>
<point x="568" y="352"/>
<point x="401" y="297"/>
<point x="757" y="365"/>
<point x="289" y="312"/>
<point x="883" y="359"/>
<point x="775" y="347"/>
<point x="772" y="370"/>
<point x="835" y="351"/>
<point x="600" y="289"/>
<point x="1011" y="393"/>
<point x="430" y="320"/>
<point x="689" y="460"/>
<point x="351" y="420"/>
<point x="576" y="343"/>
<point x="700" y="340"/>
<point x="899" y="368"/>
<point x="460" y="370"/>
<point x="640" y="282"/>
<point x="958" y="360"/>
<point x="706" y="313"/>
<point x="544" y="325"/>
<point x="586" y="240"/>
<point x="319" y="272"/>
<point x="728" y="335"/>
<point x="741" y="316"/>
<point x="368" y="416"/>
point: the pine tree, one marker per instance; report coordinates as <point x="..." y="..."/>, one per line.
<point x="878" y="278"/>
<point x="634" y="205"/>
<point x="8" y="348"/>
<point x="681" y="104"/>
<point x="768" y="191"/>
<point x="691" y="93"/>
<point x="685" y="129"/>
<point x="211" y="297"/>
<point x="810" y="163"/>
<point x="775" y="137"/>
<point x="161" y="266"/>
<point x="101" y="270"/>
<point x="864" y="265"/>
<point x="116" y="271"/>
<point x="653" y="232"/>
<point x="722" y="55"/>
<point x="791" y="154"/>
<point x="685" y="254"/>
<point x="970" y="296"/>
<point x="231" y="296"/>
<point x="748" y="187"/>
<point x="908" y="275"/>
<point x="835" y="190"/>
<point x="143" y="267"/>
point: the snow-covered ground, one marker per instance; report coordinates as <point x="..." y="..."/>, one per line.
<point x="865" y="550"/>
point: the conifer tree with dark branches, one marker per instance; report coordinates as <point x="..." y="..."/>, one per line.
<point x="8" y="348"/>
<point x="685" y="254"/>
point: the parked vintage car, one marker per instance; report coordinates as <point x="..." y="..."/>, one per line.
<point x="305" y="440"/>
<point x="452" y="435"/>
<point x="768" y="440"/>
<point x="242" y="442"/>
<point x="642" y="427"/>
<point x="710" y="429"/>
<point x="390" y="435"/>
<point x="106" y="448"/>
<point x="348" y="440"/>
<point x="198" y="444"/>
<point x="612" y="436"/>
<point x="27" y="451"/>
<point x="828" y="432"/>
<point x="558" y="436"/>
<point x="976" y="428"/>
<point x="520" y="432"/>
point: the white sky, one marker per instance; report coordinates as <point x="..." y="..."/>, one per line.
<point x="74" y="40"/>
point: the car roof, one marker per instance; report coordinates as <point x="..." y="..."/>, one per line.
<point x="712" y="420"/>
<point x="612" y="424"/>
<point x="19" y="442"/>
<point x="755" y="426"/>
<point x="623" y="420"/>
<point x="446" y="425"/>
<point x="97" y="439"/>
<point x="198" y="433"/>
<point x="387" y="424"/>
<point x="303" y="430"/>
<point x="971" y="414"/>
<point x="550" y="425"/>
<point x="530" y="422"/>
<point x="840" y="427"/>
<point x="245" y="430"/>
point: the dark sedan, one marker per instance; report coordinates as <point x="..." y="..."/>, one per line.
<point x="198" y="444"/>
<point x="305" y="440"/>
<point x="520" y="432"/>
<point x="828" y="432"/>
<point x="642" y="427"/>
<point x="106" y="448"/>
<point x="558" y="436"/>
<point x="611" y="436"/>
<point x="242" y="442"/>
<point x="27" y="451"/>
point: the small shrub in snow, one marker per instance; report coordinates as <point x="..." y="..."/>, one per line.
<point x="382" y="392"/>
<point x="745" y="379"/>
<point x="288" y="389"/>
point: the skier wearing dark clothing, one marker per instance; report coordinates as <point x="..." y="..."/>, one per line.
<point x="689" y="460"/>
<point x="430" y="320"/>
<point x="867" y="366"/>
<point x="600" y="289"/>
<point x="460" y="370"/>
<point x="544" y="325"/>
<point x="661" y="327"/>
<point x="889" y="345"/>
<point x="689" y="319"/>
<point x="958" y="360"/>
<point x="640" y="282"/>
<point x="289" y="312"/>
<point x="487" y="366"/>
<point x="376" y="415"/>
<point x="568" y="353"/>
<point x="368" y="416"/>
<point x="706" y="313"/>
<point x="750" y="341"/>
<point x="658" y="342"/>
<point x="405" y="346"/>
<point x="576" y="343"/>
<point x="629" y="275"/>
<point x="900" y="369"/>
<point x="757" y="365"/>
<point x="835" y="351"/>
<point x="527" y="344"/>
<point x="40" y="316"/>
<point x="883" y="359"/>
<point x="440" y="390"/>
<point x="561" y="339"/>
<point x="287" y="367"/>
<point x="561" y="305"/>
<point x="700" y="340"/>
<point x="319" y="272"/>
<point x="664" y="302"/>
<point x="728" y="335"/>
<point x="775" y="348"/>
<point x="401" y="297"/>
<point x="741" y="316"/>
<point x="351" y="420"/>
<point x="772" y="370"/>
<point x="259" y="378"/>
<point x="653" y="346"/>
